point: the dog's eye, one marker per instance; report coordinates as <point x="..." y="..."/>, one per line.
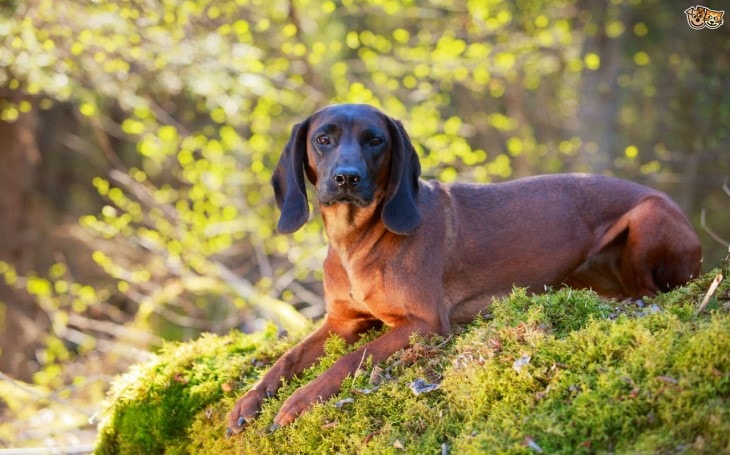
<point x="323" y="140"/>
<point x="374" y="142"/>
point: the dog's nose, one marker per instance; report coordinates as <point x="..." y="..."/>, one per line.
<point x="347" y="177"/>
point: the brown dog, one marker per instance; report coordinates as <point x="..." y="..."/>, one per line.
<point x="422" y="256"/>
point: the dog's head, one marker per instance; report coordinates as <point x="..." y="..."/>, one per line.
<point x="353" y="154"/>
<point x="696" y="17"/>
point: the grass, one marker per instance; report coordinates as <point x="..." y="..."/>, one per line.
<point x="562" y="372"/>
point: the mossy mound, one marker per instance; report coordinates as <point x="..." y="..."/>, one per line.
<point x="563" y="372"/>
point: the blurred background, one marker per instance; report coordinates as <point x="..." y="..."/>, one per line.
<point x="137" y="139"/>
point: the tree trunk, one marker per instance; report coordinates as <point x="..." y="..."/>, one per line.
<point x="21" y="321"/>
<point x="597" y="120"/>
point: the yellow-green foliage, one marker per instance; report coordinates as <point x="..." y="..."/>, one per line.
<point x="562" y="372"/>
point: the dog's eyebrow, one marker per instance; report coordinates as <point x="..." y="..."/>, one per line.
<point x="327" y="128"/>
<point x="373" y="131"/>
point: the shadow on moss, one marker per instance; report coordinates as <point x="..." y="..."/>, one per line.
<point x="561" y="372"/>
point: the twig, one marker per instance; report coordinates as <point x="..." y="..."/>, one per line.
<point x="357" y="370"/>
<point x="163" y="114"/>
<point x="314" y="300"/>
<point x="199" y="323"/>
<point x="105" y="143"/>
<point x="262" y="259"/>
<point x="111" y="328"/>
<point x="271" y="307"/>
<point x="106" y="346"/>
<point x="445" y="342"/>
<point x="710" y="292"/>
<point x="142" y="193"/>
<point x="712" y="233"/>
<point x="40" y="396"/>
<point x="362" y="359"/>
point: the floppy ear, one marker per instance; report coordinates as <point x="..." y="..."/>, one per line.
<point x="400" y="212"/>
<point x="288" y="181"/>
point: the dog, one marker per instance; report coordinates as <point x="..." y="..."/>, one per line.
<point x="422" y="256"/>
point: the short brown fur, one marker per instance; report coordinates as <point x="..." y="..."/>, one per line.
<point x="422" y="256"/>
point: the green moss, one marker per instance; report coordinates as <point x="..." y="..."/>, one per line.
<point x="565" y="372"/>
<point x="150" y="409"/>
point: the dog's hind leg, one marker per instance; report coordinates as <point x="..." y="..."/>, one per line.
<point x="651" y="248"/>
<point x="662" y="251"/>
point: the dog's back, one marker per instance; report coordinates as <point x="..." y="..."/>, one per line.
<point x="619" y="238"/>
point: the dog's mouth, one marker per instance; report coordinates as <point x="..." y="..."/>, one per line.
<point x="345" y="198"/>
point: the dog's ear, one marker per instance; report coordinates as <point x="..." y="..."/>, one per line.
<point x="400" y="212"/>
<point x="288" y="181"/>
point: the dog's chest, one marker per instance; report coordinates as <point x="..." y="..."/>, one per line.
<point x="361" y="283"/>
<point x="368" y="294"/>
<point x="365" y="289"/>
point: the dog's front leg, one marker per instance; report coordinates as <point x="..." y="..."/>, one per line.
<point x="330" y="381"/>
<point x="293" y="362"/>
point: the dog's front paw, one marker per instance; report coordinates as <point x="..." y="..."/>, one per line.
<point x="316" y="391"/>
<point x="245" y="409"/>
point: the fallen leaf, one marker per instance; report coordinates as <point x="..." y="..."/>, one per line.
<point x="420" y="386"/>
<point x="344" y="401"/>
<point x="529" y="442"/>
<point x="366" y="391"/>
<point x="369" y="437"/>
<point x="377" y="375"/>
<point x="521" y="362"/>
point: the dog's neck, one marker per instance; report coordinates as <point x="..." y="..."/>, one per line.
<point x="352" y="228"/>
